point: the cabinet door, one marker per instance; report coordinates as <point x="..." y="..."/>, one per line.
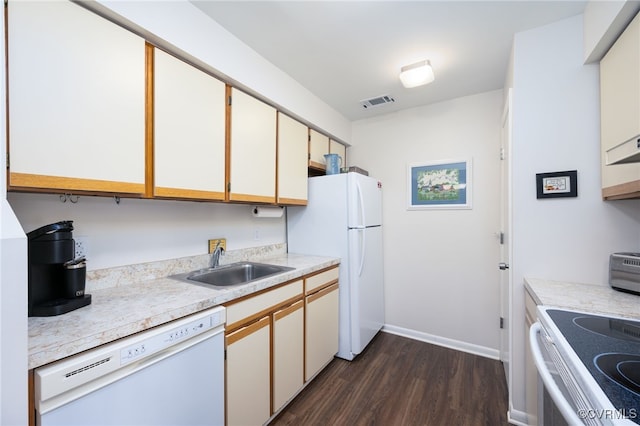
<point x="318" y="147"/>
<point x="620" y="109"/>
<point x="189" y="131"/>
<point x="292" y="161"/>
<point x="76" y="100"/>
<point x="248" y="377"/>
<point x="252" y="150"/>
<point x="288" y="353"/>
<point x="321" y="328"/>
<point x="341" y="150"/>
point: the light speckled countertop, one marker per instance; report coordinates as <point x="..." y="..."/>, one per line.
<point x="599" y="299"/>
<point x="118" y="311"/>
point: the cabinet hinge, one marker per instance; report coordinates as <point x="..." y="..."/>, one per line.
<point x="501" y="322"/>
<point x="502" y="153"/>
<point x="229" y="100"/>
<point x="228" y="186"/>
<point x="501" y="238"/>
<point x="7" y="160"/>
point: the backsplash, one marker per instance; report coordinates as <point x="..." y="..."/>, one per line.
<point x="124" y="275"/>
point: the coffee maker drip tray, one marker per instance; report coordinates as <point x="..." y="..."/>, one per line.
<point x="59" y="306"/>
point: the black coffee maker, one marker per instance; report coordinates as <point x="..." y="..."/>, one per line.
<point x="56" y="277"/>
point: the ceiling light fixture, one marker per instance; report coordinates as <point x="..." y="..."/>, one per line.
<point x="416" y="74"/>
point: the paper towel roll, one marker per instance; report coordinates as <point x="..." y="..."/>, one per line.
<point x="268" y="211"/>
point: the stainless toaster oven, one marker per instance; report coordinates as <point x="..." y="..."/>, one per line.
<point x="624" y="272"/>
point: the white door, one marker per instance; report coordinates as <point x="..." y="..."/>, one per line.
<point x="505" y="235"/>
<point x="366" y="285"/>
<point x="365" y="200"/>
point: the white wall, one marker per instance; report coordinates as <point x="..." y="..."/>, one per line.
<point x="137" y="231"/>
<point x="555" y="128"/>
<point x="441" y="275"/>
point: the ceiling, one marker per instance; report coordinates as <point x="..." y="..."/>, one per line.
<point x="348" y="51"/>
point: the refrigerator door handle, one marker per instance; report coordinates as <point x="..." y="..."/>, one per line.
<point x="363" y="249"/>
<point x="361" y="199"/>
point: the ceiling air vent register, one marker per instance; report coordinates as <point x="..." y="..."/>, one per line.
<point x="374" y="102"/>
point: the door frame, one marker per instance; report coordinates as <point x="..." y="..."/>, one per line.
<point x="506" y="229"/>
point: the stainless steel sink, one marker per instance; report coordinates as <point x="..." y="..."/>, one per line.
<point x="233" y="274"/>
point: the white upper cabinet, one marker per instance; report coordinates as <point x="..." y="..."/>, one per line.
<point x="292" y="161"/>
<point x="620" y="115"/>
<point x="252" y="174"/>
<point x="76" y="100"/>
<point x="341" y="150"/>
<point x="189" y="131"/>
<point x="318" y="147"/>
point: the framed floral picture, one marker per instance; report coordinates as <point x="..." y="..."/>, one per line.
<point x="444" y="184"/>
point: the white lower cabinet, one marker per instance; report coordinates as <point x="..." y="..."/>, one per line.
<point x="321" y="311"/>
<point x="288" y="353"/>
<point x="248" y="376"/>
<point x="276" y="341"/>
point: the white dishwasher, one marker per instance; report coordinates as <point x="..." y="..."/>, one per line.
<point x="172" y="374"/>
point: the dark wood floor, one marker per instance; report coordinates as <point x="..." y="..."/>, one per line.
<point x="400" y="381"/>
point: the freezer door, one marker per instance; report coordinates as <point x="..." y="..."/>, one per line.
<point x="366" y="285"/>
<point x="365" y="201"/>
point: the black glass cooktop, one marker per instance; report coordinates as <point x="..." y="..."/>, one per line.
<point x="610" y="349"/>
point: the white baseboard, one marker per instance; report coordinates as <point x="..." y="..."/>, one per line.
<point x="519" y="418"/>
<point x="444" y="341"/>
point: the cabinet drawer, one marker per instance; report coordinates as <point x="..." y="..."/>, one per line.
<point x="254" y="307"/>
<point x="314" y="282"/>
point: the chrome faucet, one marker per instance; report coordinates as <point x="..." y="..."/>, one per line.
<point x="215" y="256"/>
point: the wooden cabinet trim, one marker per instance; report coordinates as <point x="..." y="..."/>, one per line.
<point x="267" y="311"/>
<point x="323" y="292"/>
<point x="622" y="191"/>
<point x="292" y="202"/>
<point x="149" y="169"/>
<point x="308" y="291"/>
<point x="26" y="181"/>
<point x="247" y="198"/>
<point x="227" y="143"/>
<point x="236" y="335"/>
<point x="259" y="292"/>
<point x="191" y="194"/>
<point x="281" y="313"/>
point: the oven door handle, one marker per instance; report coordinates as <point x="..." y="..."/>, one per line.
<point x="563" y="405"/>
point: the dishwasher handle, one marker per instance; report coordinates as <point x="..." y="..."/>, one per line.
<point x="568" y="412"/>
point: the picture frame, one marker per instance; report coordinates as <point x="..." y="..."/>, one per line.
<point x="442" y="184"/>
<point x="557" y="184"/>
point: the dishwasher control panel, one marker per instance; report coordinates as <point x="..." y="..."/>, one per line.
<point x="170" y="337"/>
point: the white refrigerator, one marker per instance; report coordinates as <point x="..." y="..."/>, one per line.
<point x="343" y="218"/>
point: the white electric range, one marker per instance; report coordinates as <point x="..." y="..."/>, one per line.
<point x="589" y="366"/>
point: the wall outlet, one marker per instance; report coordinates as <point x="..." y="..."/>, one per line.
<point x="82" y="246"/>
<point x="213" y="243"/>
